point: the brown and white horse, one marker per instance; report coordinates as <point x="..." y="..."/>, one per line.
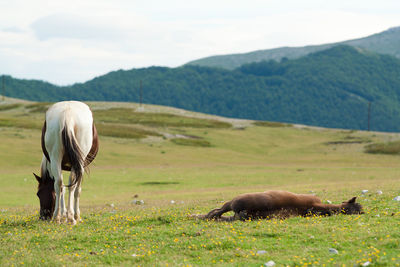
<point x="279" y="203"/>
<point x="69" y="143"/>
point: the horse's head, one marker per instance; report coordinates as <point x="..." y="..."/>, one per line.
<point x="46" y="196"/>
<point x="351" y="207"/>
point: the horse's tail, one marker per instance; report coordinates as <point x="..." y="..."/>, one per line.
<point x="216" y="213"/>
<point x="73" y="152"/>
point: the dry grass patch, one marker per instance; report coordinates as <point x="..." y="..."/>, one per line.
<point x="40" y="107"/>
<point x="20" y="122"/>
<point x="191" y="142"/>
<point x="125" y="115"/>
<point x="9" y="106"/>
<point x="350" y="140"/>
<point x="272" y="124"/>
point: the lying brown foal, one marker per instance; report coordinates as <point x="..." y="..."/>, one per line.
<point x="271" y="203"/>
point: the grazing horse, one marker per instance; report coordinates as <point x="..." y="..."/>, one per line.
<point x="269" y="203"/>
<point x="70" y="143"/>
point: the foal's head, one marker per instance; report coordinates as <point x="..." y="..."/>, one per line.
<point x="46" y="196"/>
<point x="351" y="207"/>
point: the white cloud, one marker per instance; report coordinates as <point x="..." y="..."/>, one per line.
<point x="73" y="27"/>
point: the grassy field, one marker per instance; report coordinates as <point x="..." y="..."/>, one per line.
<point x="180" y="163"/>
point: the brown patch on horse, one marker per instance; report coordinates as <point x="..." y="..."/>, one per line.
<point x="281" y="204"/>
<point x="95" y="147"/>
<point x="42" y="142"/>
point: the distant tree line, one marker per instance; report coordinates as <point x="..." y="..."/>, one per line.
<point x="330" y="88"/>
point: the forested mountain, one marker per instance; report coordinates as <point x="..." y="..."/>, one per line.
<point x="387" y="42"/>
<point x="330" y="88"/>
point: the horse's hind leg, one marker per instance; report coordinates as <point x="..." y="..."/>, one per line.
<point x="213" y="214"/>
<point x="71" y="193"/>
<point x="216" y="213"/>
<point x="77" y="195"/>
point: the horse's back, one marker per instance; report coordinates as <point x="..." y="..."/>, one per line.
<point x="73" y="116"/>
<point x="289" y="199"/>
<point x="273" y="200"/>
<point x="70" y="110"/>
<point x="251" y="201"/>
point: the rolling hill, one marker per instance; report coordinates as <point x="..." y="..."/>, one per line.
<point x="330" y="88"/>
<point x="387" y="42"/>
<point x="136" y="201"/>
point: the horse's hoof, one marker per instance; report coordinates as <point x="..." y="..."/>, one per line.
<point x="72" y="221"/>
<point x="63" y="218"/>
<point x="78" y="218"/>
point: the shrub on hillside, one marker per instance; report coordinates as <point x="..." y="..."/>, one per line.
<point x="392" y="148"/>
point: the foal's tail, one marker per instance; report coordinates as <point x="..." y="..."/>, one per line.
<point x="74" y="153"/>
<point x="216" y="213"/>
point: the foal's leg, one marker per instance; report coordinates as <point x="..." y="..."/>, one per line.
<point x="321" y="209"/>
<point x="71" y="193"/>
<point x="242" y="215"/>
<point x="216" y="213"/>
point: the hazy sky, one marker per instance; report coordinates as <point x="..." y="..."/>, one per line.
<point x="64" y="42"/>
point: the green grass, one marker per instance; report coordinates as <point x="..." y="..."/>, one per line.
<point x="177" y="180"/>
<point x="142" y="235"/>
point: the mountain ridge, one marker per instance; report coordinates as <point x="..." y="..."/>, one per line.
<point x="386" y="42"/>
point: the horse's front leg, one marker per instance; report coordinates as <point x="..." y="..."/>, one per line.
<point x="320" y="210"/>
<point x="58" y="187"/>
